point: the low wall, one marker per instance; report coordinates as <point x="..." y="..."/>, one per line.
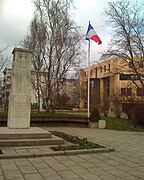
<point x="53" y="121"/>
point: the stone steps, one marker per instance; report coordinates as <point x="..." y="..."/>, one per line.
<point x="30" y="133"/>
<point x="31" y="142"/>
<point x="25" y="136"/>
<point x="33" y="136"/>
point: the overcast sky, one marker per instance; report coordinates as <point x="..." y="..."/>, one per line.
<point x="16" y="15"/>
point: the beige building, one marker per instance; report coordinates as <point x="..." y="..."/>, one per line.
<point x="112" y="86"/>
<point x="71" y="88"/>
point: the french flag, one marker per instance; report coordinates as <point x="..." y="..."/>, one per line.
<point x="91" y="34"/>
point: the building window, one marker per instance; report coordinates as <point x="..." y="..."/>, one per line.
<point x="123" y="91"/>
<point x="129" y="91"/>
<point x="126" y="91"/>
<point x="108" y="86"/>
<point x="96" y="72"/>
<point x="130" y="65"/>
<point x="91" y="72"/>
<point x="100" y="69"/>
<point x="109" y="67"/>
<point x="130" y="77"/>
<point x="140" y="92"/>
<point x="125" y="76"/>
<point x="104" y="68"/>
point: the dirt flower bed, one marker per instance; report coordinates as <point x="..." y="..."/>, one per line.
<point x="78" y="143"/>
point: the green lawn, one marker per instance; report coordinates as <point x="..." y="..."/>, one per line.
<point x="121" y="124"/>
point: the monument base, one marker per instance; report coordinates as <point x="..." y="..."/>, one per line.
<point x="20" y="99"/>
<point x="19" y="111"/>
<point x="33" y="136"/>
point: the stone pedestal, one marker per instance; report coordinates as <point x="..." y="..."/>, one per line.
<point x="19" y="99"/>
<point x="102" y="124"/>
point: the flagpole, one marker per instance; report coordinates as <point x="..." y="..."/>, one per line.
<point x="88" y="85"/>
<point x="91" y="34"/>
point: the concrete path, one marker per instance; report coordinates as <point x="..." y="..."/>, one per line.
<point x="127" y="162"/>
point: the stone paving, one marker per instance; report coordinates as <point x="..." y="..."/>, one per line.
<point x="126" y="163"/>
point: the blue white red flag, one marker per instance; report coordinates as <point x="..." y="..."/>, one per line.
<point x="91" y="34"/>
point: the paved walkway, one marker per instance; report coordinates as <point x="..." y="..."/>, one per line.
<point x="127" y="162"/>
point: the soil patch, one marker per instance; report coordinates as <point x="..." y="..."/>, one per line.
<point x="78" y="143"/>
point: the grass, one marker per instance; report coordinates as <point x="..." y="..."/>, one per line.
<point x="35" y="113"/>
<point x="121" y="124"/>
<point x="55" y="114"/>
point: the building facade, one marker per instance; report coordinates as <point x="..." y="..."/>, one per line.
<point x="113" y="85"/>
<point x="70" y="88"/>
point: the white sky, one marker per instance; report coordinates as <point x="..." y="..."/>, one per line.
<point x="14" y="21"/>
<point x="17" y="14"/>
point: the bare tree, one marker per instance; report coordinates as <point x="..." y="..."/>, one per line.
<point x="127" y="43"/>
<point x="3" y="59"/>
<point x="36" y="41"/>
<point x="55" y="39"/>
<point x="0" y="94"/>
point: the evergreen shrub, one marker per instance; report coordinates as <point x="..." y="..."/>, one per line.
<point x="95" y="116"/>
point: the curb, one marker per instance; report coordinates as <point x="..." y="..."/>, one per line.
<point x="57" y="153"/>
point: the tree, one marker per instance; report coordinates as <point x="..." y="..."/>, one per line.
<point x="3" y="59"/>
<point x="63" y="100"/>
<point x="55" y="40"/>
<point x="1" y="93"/>
<point x="36" y="41"/>
<point x="127" y="43"/>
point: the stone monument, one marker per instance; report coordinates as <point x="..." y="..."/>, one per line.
<point x="20" y="99"/>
